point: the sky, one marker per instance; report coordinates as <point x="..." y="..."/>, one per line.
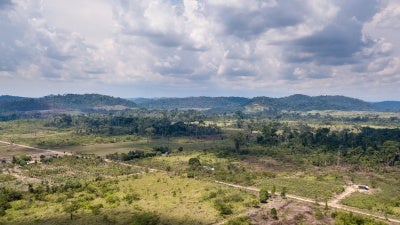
<point x="179" y="48"/>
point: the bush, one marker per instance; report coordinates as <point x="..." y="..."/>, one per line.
<point x="194" y="163"/>
<point x="132" y="197"/>
<point x="111" y="199"/>
<point x="274" y="213"/>
<point x="161" y="149"/>
<point x="342" y="218"/>
<point x="222" y="207"/>
<point x="145" y="218"/>
<point x="264" y="195"/>
<point x="96" y="208"/>
<point x="239" y="221"/>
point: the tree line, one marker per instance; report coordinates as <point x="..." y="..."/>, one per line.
<point x="364" y="145"/>
<point x="145" y="125"/>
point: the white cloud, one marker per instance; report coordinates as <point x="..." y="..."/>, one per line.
<point x="271" y="47"/>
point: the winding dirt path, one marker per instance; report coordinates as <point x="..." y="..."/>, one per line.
<point x="48" y="151"/>
<point x="59" y="153"/>
<point x="334" y="203"/>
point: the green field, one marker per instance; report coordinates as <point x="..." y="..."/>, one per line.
<point x="171" y="199"/>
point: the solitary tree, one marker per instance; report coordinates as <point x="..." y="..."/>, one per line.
<point x="149" y="132"/>
<point x="239" y="139"/>
<point x="263" y="195"/>
<point x="194" y="163"/>
<point x="71" y="208"/>
<point x="283" y="192"/>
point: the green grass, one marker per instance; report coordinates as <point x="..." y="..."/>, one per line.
<point x="174" y="199"/>
<point x="100" y="149"/>
<point x="309" y="188"/>
<point x="89" y="182"/>
<point x="6" y="178"/>
<point x="384" y="196"/>
<point x="58" y="170"/>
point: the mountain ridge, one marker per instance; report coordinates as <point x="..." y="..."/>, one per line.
<point x="96" y="102"/>
<point x="67" y="102"/>
<point x="297" y="102"/>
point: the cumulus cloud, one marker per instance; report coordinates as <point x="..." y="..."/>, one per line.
<point x="31" y="45"/>
<point x="5" y="4"/>
<point x="339" y="40"/>
<point x="247" y="46"/>
<point x="248" y="19"/>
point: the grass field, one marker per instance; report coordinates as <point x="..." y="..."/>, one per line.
<point x="173" y="199"/>
<point x="308" y="186"/>
<point x="8" y="151"/>
<point x="384" y="197"/>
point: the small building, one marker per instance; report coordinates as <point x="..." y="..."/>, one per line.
<point x="363" y="187"/>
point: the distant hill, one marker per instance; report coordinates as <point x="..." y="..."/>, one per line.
<point x="23" y="105"/>
<point x="201" y="103"/>
<point x="5" y="98"/>
<point x="140" y="100"/>
<point x="388" y="105"/>
<point x="258" y="104"/>
<point x="307" y="103"/>
<point x="86" y="102"/>
<point x="96" y="102"/>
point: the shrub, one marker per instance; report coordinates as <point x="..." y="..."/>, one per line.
<point x="264" y="195"/>
<point x="274" y="213"/>
<point x="194" y="163"/>
<point x="132" y="197"/>
<point x="145" y="218"/>
<point x="161" y="149"/>
<point x="239" y="221"/>
<point x="342" y="218"/>
<point x="222" y="207"/>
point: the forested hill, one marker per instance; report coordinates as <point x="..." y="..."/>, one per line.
<point x="388" y="105"/>
<point x="201" y="103"/>
<point x="86" y="102"/>
<point x="257" y="104"/>
<point x="96" y="102"/>
<point x="307" y="103"/>
<point x="5" y="98"/>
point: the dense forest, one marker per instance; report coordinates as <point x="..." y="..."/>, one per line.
<point x="68" y="102"/>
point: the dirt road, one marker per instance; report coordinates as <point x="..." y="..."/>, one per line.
<point x="49" y="151"/>
<point x="334" y="203"/>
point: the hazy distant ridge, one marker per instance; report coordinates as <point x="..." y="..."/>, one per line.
<point x="84" y="102"/>
<point x="389" y="105"/>
<point x="291" y="103"/>
<point x="93" y="102"/>
<point x="307" y="103"/>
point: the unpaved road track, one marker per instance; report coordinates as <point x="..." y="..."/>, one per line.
<point x="334" y="203"/>
<point x="38" y="149"/>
